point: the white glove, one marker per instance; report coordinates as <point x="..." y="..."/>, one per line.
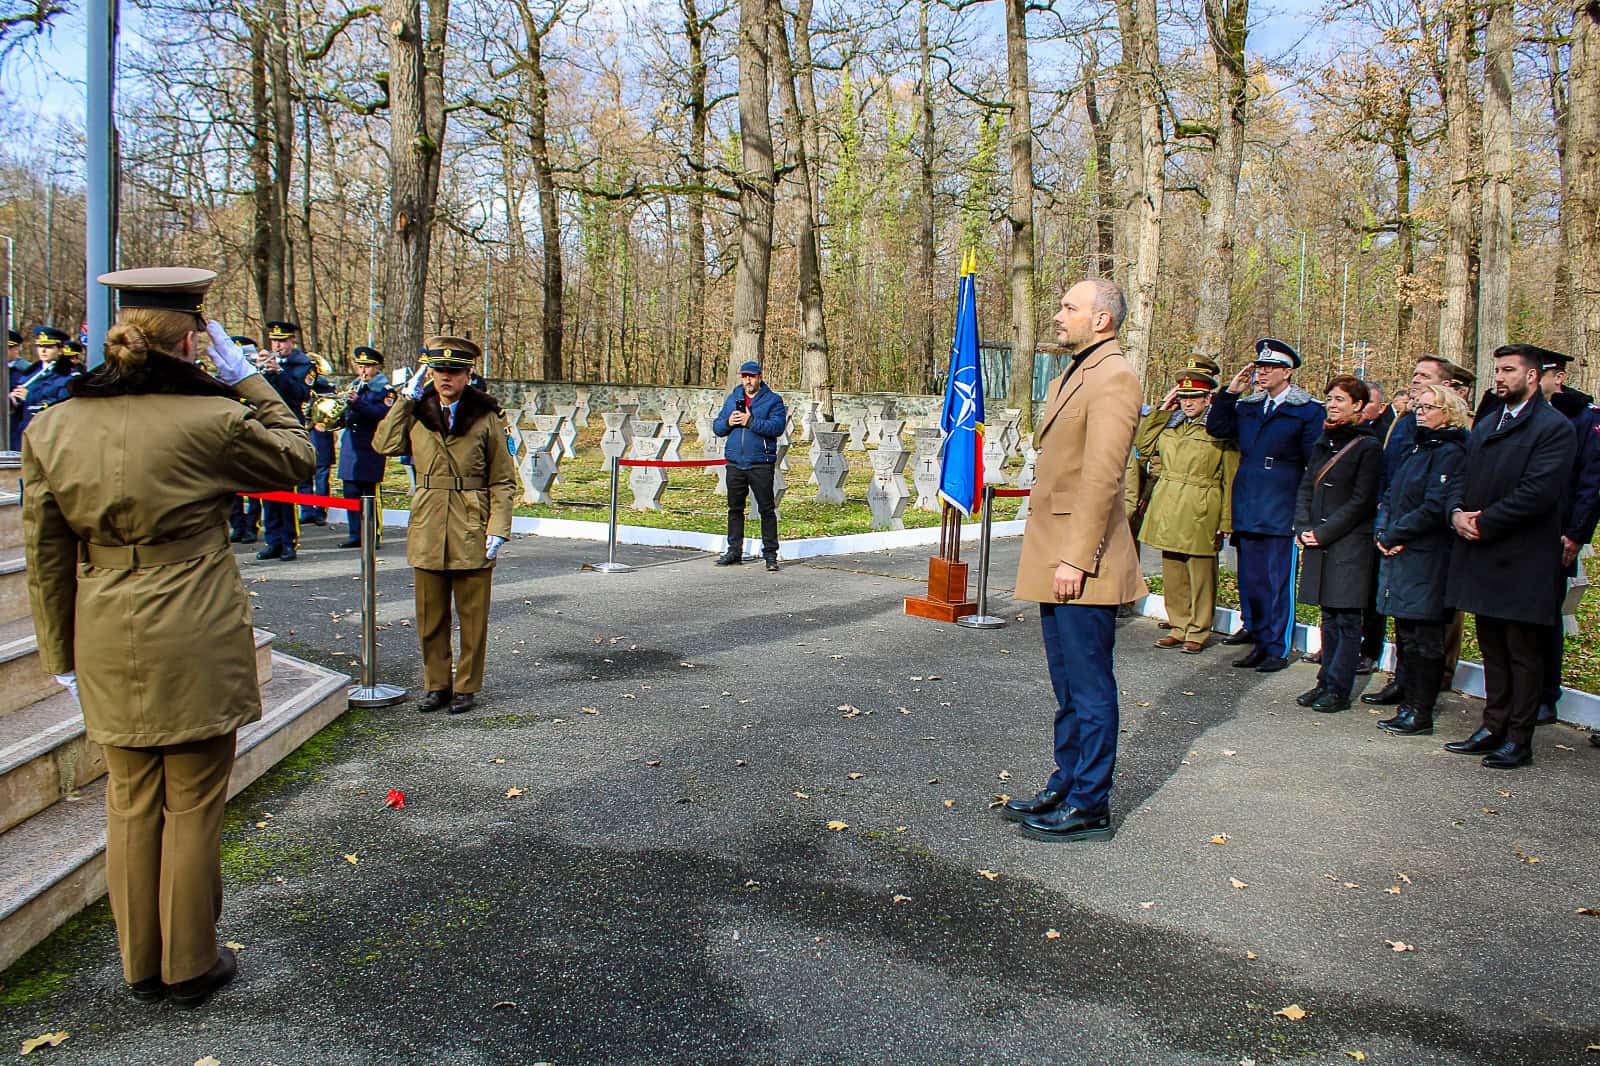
<point x="400" y="378"/>
<point x="418" y="383"/>
<point x="70" y="683"/>
<point x="492" y="546"/>
<point x="232" y="365"/>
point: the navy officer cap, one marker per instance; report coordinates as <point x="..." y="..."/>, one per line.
<point x="49" y="336"/>
<point x="1273" y="352"/>
<point x="13" y="337"/>
<point x="242" y="340"/>
<point x="365" y="356"/>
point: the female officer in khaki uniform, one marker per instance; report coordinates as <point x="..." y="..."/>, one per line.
<point x="1190" y="506"/>
<point x="460" y="512"/>
<point x="139" y="609"/>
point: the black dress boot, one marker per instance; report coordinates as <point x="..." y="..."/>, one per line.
<point x="1255" y="658"/>
<point x="1388" y="695"/>
<point x="1546" y="715"/>
<point x="730" y="559"/>
<point x="1067" y="824"/>
<point x="1306" y="699"/>
<point x="1043" y="801"/>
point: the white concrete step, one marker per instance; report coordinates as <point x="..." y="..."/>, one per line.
<point x="45" y="754"/>
<point x="13" y="585"/>
<point x="53" y="864"/>
<point x="10" y="517"/>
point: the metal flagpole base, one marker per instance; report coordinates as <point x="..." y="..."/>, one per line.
<point x="981" y="621"/>
<point x="612" y="568"/>
<point x="376" y="696"/>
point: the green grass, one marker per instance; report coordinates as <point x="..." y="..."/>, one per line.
<point x="56" y="959"/>
<point x="689" y="503"/>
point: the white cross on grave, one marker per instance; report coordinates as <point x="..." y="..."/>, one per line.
<point x="569" y="432"/>
<point x="925" y="474"/>
<point x="647" y="482"/>
<point x="537" y="464"/>
<point x="830" y="468"/>
<point x="613" y="443"/>
<point x="858" y="433"/>
<point x="886" y="495"/>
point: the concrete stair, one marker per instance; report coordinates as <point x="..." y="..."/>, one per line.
<point x="52" y="776"/>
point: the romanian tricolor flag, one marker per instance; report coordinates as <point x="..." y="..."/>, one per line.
<point x="961" y="469"/>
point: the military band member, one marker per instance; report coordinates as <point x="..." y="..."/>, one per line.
<point x="16" y="362"/>
<point x="60" y="360"/>
<point x="47" y="342"/>
<point x="290" y="372"/>
<point x="244" y="518"/>
<point x="322" y="435"/>
<point x="460" y="512"/>
<point x="139" y="609"/>
<point x="360" y="467"/>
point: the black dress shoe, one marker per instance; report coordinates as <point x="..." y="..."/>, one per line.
<point x="772" y="564"/>
<point x="1477" y="744"/>
<point x="248" y="538"/>
<point x="271" y="551"/>
<point x="1409" y="722"/>
<point x="288" y="555"/>
<point x="1068" y="823"/>
<point x="1272" y="664"/>
<point x="729" y="559"/>
<point x="1306" y="699"/>
<point x="350" y="542"/>
<point x="1389" y="695"/>
<point x="1043" y="801"/>
<point x="1546" y="715"/>
<point x="1254" y="658"/>
<point x="462" y="702"/>
<point x="1364" y="666"/>
<point x="436" y="700"/>
<point x="1239" y="639"/>
<point x="1331" y="703"/>
<point x="192" y="993"/>
<point x="1509" y="756"/>
<point x="150" y="990"/>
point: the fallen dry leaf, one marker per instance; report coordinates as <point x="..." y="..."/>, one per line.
<point x="1393" y="890"/>
<point x="802" y="795"/>
<point x="1592" y="912"/>
<point x="855" y="777"/>
<point x="1489" y="810"/>
<point x="43" y="1040"/>
<point x="1147" y="904"/>
<point x="901" y="828"/>
<point x="949" y="803"/>
<point x="209" y="1060"/>
<point x="1404" y="878"/>
<point x="498" y="762"/>
<point x="652" y="762"/>
<point x="1359" y="1056"/>
<point x="1294" y="1012"/>
<point x="1398" y="946"/>
<point x="1004" y="775"/>
<point x="836" y="825"/>
<point x="350" y="858"/>
<point x="591" y="710"/>
<point x="1563" y="747"/>
<point x="1229" y="752"/>
<point x="1236" y="883"/>
<point x="1221" y="838"/>
<point x="1351" y="884"/>
<point x="900" y="899"/>
<point x="1250" y="955"/>
<point x="988" y="875"/>
<point x="513" y="792"/>
<point x="1529" y="859"/>
<point x="504" y="1003"/>
<point x="1052" y="934"/>
<point x="234" y="945"/>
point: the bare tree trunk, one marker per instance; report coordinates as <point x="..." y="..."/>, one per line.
<point x="1406" y="226"/>
<point x="1102" y="259"/>
<point x="1563" y="306"/>
<point x="551" y="319"/>
<point x="928" y="339"/>
<point x="416" y="136"/>
<point x="313" y="317"/>
<point x="1147" y="155"/>
<point x="815" y="375"/>
<point x="1455" y="310"/>
<point x="1494" y="272"/>
<point x="1583" y="180"/>
<point x="1020" y="213"/>
<point x="808" y="94"/>
<point x="694" y="343"/>
<point x="266" y="246"/>
<point x="755" y="182"/>
<point x="1226" y="25"/>
<point x="282" y="143"/>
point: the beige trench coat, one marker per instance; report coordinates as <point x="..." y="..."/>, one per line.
<point x="127" y="489"/>
<point x="1193" y="499"/>
<point x="450" y="524"/>
<point x="1076" y="514"/>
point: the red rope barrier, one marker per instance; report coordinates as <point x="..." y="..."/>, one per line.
<point x="665" y="462"/>
<point x="336" y="502"/>
<point x="1012" y="492"/>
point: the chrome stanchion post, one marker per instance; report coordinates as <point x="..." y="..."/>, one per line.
<point x="983" y="619"/>
<point x="611" y="566"/>
<point x="369" y="693"/>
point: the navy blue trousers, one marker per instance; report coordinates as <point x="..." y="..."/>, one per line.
<point x="279" y="524"/>
<point x="1341" y="647"/>
<point x="242" y="520"/>
<point x="1266" y="589"/>
<point x="1078" y="641"/>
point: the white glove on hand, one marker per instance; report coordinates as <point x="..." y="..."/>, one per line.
<point x="492" y="546"/>
<point x="70" y="683"/>
<point x="232" y="365"/>
<point x="418" y="383"/>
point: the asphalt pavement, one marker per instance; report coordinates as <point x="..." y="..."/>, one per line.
<point x="717" y="815"/>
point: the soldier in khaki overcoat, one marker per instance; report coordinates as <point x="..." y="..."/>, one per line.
<point x="460" y="512"/>
<point x="139" y="609"/>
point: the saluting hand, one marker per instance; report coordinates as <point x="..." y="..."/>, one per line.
<point x="232" y="366"/>
<point x="1241" y="380"/>
<point x="1170" y="401"/>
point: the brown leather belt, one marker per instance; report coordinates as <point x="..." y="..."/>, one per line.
<point x="164" y="553"/>
<point x="454" y="484"/>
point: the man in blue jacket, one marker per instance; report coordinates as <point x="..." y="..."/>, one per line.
<point x="1276" y="427"/>
<point x="289" y="371"/>
<point x="360" y="467"/>
<point x="753" y="417"/>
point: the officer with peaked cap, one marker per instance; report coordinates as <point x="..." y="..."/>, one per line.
<point x="16" y="362"/>
<point x="244" y="519"/>
<point x="289" y="371"/>
<point x="17" y="370"/>
<point x="139" y="609"/>
<point x="1277" y="428"/>
<point x="360" y="466"/>
<point x="47" y="384"/>
<point x="460" y="512"/>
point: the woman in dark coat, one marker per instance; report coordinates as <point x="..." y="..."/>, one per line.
<point x="1333" y="527"/>
<point x="1414" y="538"/>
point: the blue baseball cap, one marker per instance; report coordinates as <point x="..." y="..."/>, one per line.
<point x="750" y="367"/>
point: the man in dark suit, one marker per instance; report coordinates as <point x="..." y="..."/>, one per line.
<point x="1506" y="509"/>
<point x="360" y="466"/>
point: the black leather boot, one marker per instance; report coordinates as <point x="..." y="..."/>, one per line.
<point x="1388" y="695"/>
<point x="1239" y="639"/>
<point x="1255" y="658"/>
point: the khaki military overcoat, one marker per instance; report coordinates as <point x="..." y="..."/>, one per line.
<point x="127" y="488"/>
<point x="466" y="480"/>
<point x="1193" y="499"/>
<point x="1075" y="512"/>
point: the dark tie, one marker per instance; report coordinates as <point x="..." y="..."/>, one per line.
<point x="1505" y="419"/>
<point x="1266" y="412"/>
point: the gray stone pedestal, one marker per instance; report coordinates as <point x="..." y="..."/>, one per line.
<point x="647" y="482"/>
<point x="994" y="459"/>
<point x="886" y="496"/>
<point x="614" y="441"/>
<point x="858" y="433"/>
<point x="671" y="433"/>
<point x="569" y="432"/>
<point x="830" y="468"/>
<point x="925" y="471"/>
<point x="538" y="463"/>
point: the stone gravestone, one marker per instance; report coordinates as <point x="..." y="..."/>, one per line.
<point x="875" y="421"/>
<point x="780" y="484"/>
<point x="891" y="437"/>
<point x="925" y="474"/>
<point x="1026" y="478"/>
<point x="809" y="416"/>
<point x="715" y="447"/>
<point x="670" y="417"/>
<point x="532" y="402"/>
<point x="858" y="433"/>
<point x="551" y="424"/>
<point x="537" y="464"/>
<point x="1009" y="424"/>
<point x="830" y="468"/>
<point x="569" y="432"/>
<point x="886" y="496"/>
<point x="613" y="442"/>
<point x="816" y="448"/>
<point x="994" y="459"/>
<point x="784" y="440"/>
<point x="631" y="410"/>
<point x="647" y="482"/>
<point x="703" y="421"/>
<point x="580" y="417"/>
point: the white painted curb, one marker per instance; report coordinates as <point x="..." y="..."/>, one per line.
<point x="1577" y="707"/>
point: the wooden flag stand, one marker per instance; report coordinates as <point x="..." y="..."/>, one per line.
<point x="947" y="576"/>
